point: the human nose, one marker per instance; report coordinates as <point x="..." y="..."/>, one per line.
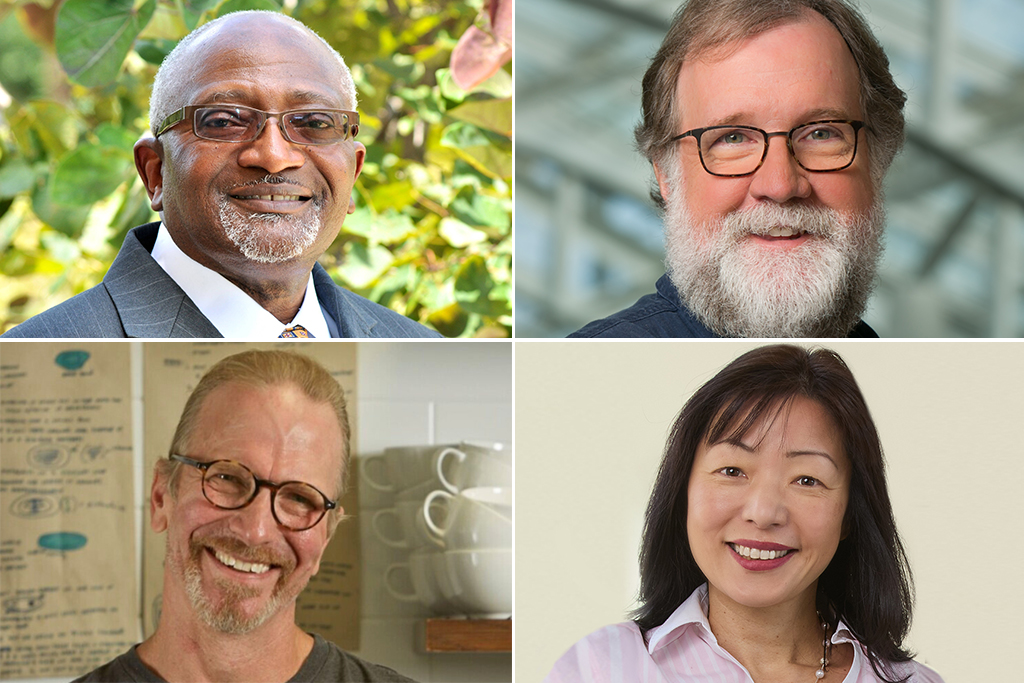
<point x="780" y="177"/>
<point x="270" y="150"/>
<point x="765" y="505"/>
<point x="255" y="522"/>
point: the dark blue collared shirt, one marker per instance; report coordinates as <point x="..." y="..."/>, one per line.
<point x="663" y="314"/>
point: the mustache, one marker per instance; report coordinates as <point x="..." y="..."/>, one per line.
<point x="242" y="551"/>
<point x="276" y="179"/>
<point x="762" y="218"/>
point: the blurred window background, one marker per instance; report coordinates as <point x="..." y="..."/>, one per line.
<point x="589" y="241"/>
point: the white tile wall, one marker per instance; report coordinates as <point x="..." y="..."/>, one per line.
<point x="423" y="394"/>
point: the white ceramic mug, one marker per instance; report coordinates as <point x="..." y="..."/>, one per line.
<point x="475" y="518"/>
<point x="422" y="569"/>
<point x="407" y="518"/>
<point x="399" y="469"/>
<point x="480" y="582"/>
<point x="471" y="465"/>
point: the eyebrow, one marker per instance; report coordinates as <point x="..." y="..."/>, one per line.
<point x="789" y="454"/>
<point x="301" y="96"/>
<point x="820" y="114"/>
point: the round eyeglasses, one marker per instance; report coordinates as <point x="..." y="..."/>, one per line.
<point x="734" y="151"/>
<point x="235" y="123"/>
<point x="231" y="485"/>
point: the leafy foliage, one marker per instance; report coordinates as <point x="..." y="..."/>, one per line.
<point x="431" y="235"/>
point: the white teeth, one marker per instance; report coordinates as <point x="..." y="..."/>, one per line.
<point x="252" y="567"/>
<point x="781" y="232"/>
<point x="273" y="197"/>
<point x="756" y="554"/>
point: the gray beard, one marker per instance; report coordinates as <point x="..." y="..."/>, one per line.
<point x="741" y="289"/>
<point x="225" y="615"/>
<point x="270" y="237"/>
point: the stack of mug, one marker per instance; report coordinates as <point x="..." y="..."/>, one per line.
<point x="452" y="513"/>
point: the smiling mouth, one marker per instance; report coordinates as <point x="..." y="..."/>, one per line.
<point x="755" y="554"/>
<point x="239" y="565"/>
<point x="272" y="197"/>
<point x="783" y="231"/>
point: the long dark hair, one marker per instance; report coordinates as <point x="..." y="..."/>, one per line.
<point x="868" y="583"/>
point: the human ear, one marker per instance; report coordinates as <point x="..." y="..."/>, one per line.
<point x="663" y="185"/>
<point x="159" y="502"/>
<point x="360" y="154"/>
<point x="149" y="162"/>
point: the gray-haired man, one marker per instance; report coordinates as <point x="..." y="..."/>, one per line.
<point x="770" y="127"/>
<point x="251" y="167"/>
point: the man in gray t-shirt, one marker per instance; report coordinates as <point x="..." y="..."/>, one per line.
<point x="326" y="662"/>
<point x="248" y="500"/>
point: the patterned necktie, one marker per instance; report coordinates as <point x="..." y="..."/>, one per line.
<point x="295" y="331"/>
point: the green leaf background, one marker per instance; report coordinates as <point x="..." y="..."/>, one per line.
<point x="430" y="238"/>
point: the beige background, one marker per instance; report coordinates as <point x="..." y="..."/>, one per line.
<point x="591" y="422"/>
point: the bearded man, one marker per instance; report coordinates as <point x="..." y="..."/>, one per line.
<point x="251" y="165"/>
<point x="770" y="127"/>
<point x="248" y="497"/>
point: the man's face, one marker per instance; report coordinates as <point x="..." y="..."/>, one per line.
<point x="737" y="276"/>
<point x="210" y="191"/>
<point x="235" y="569"/>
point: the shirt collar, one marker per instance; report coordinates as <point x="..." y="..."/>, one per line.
<point x="233" y="312"/>
<point x="693" y="613"/>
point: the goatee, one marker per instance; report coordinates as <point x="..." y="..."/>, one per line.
<point x="226" y="612"/>
<point x="271" y="237"/>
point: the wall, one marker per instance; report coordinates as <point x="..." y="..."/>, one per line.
<point x="424" y="393"/>
<point x="591" y="425"/>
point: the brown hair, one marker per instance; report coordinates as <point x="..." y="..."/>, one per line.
<point x="867" y="584"/>
<point x="703" y="25"/>
<point x="257" y="368"/>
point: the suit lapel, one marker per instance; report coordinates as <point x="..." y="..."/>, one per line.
<point x="149" y="303"/>
<point x="352" y="322"/>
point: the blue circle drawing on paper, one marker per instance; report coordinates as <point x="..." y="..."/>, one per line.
<point x="48" y="457"/>
<point x="72" y="360"/>
<point x="62" y="540"/>
<point x="32" y="505"/>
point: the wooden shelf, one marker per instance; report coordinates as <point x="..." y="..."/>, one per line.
<point x="468" y="635"/>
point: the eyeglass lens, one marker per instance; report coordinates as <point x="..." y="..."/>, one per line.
<point x="240" y="124"/>
<point x="229" y="485"/>
<point x="817" y="146"/>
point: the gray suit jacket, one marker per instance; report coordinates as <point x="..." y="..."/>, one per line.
<point x="138" y="299"/>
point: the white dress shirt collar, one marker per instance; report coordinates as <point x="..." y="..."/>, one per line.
<point x="234" y="313"/>
<point x="694" y="613"/>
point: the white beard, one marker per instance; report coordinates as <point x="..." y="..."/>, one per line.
<point x="739" y="288"/>
<point x="270" y="237"/>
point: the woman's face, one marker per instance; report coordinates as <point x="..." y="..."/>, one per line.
<point x="765" y="513"/>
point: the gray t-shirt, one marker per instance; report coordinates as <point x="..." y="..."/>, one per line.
<point x="326" y="662"/>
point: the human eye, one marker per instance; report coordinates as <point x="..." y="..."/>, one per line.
<point x="296" y="499"/>
<point x="314" y="120"/>
<point x="822" y="132"/>
<point x="731" y="472"/>
<point x="808" y="481"/>
<point x="223" y="118"/>
<point x="731" y="136"/>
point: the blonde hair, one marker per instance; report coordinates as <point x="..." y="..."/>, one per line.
<point x="262" y="369"/>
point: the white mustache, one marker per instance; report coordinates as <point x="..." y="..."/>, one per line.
<point x="760" y="220"/>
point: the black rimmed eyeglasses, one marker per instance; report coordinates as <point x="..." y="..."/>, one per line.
<point x="734" y="151"/>
<point x="235" y="123"/>
<point x="231" y="485"/>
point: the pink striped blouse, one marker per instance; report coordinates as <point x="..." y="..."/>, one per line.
<point x="685" y="649"/>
